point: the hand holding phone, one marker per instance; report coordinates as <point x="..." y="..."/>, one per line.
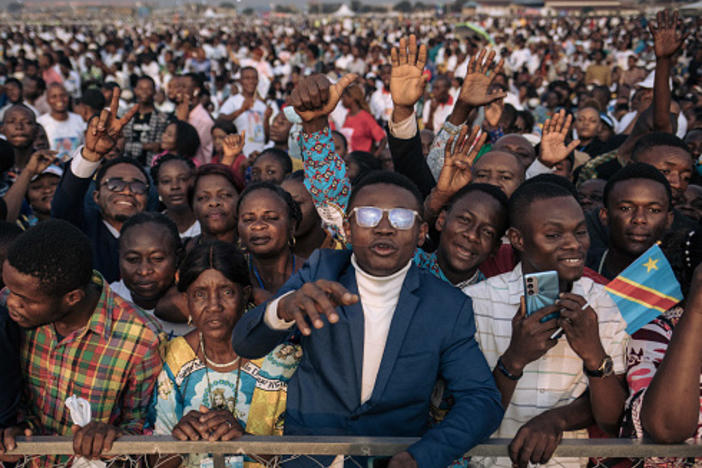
<point x="541" y="290"/>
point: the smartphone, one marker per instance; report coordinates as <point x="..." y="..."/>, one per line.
<point x="541" y="290"/>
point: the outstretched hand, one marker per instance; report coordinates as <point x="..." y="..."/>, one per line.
<point x="476" y="90"/>
<point x="103" y="131"/>
<point x="314" y="96"/>
<point x="232" y="146"/>
<point x="312" y="301"/>
<point x="40" y="160"/>
<point x="668" y="36"/>
<point x="458" y="160"/>
<point x="553" y="149"/>
<point x="407" y="79"/>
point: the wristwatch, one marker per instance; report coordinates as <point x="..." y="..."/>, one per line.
<point x="605" y="369"/>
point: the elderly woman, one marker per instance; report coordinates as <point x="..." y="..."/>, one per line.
<point x="205" y="391"/>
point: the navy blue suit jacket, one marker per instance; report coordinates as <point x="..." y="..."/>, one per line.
<point x="431" y="336"/>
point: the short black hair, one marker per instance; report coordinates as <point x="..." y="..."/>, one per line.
<point x="225" y="125"/>
<point x="187" y="140"/>
<point x="146" y="217"/>
<point x="294" y="213"/>
<point x="297" y="176"/>
<point x="211" y="169"/>
<point x="92" y="98"/>
<point x="146" y="78"/>
<point x="14" y="81"/>
<point x="106" y="165"/>
<point x="366" y="162"/>
<point x="55" y="252"/>
<point x="654" y="139"/>
<point x="637" y="170"/>
<point x="389" y="178"/>
<point x="280" y="156"/>
<point x="342" y="138"/>
<point x="490" y="190"/>
<point x="22" y="106"/>
<point x="550" y="178"/>
<point x="213" y="255"/>
<point x="168" y="157"/>
<point x="526" y="194"/>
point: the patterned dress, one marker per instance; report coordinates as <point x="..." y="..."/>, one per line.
<point x="255" y="393"/>
<point x="646" y="352"/>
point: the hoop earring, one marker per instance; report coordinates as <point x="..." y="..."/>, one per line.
<point x="190" y="320"/>
<point x="292" y="242"/>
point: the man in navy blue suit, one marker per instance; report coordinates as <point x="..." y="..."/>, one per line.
<point x="377" y="332"/>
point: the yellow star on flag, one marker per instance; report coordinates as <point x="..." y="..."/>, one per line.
<point x="651" y="264"/>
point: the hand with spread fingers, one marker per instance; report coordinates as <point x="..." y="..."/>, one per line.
<point x="232" y="147"/>
<point x="312" y="301"/>
<point x="667" y="35"/>
<point x="458" y="160"/>
<point x="93" y="439"/>
<point x="315" y="97"/>
<point x="553" y="149"/>
<point x="476" y="90"/>
<point x="104" y="130"/>
<point x="407" y="78"/>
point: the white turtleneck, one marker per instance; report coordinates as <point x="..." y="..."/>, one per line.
<point x="379" y="296"/>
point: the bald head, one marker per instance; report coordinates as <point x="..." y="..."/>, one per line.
<point x="518" y="146"/>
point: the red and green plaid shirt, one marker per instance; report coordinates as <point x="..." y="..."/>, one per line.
<point x="112" y="362"/>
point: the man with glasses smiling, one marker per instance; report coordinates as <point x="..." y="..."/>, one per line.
<point x="378" y="331"/>
<point x="121" y="189"/>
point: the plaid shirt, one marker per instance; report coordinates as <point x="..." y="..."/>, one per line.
<point x="150" y="133"/>
<point x="112" y="362"/>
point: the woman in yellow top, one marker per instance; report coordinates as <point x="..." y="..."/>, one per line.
<point x="205" y="391"/>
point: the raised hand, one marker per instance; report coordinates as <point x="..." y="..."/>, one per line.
<point x="313" y="300"/>
<point x="40" y="160"/>
<point x="667" y="35"/>
<point x="458" y="160"/>
<point x="314" y="96"/>
<point x="183" y="109"/>
<point x="553" y="149"/>
<point x="103" y="131"/>
<point x="476" y="85"/>
<point x="407" y="79"/>
<point x="232" y="146"/>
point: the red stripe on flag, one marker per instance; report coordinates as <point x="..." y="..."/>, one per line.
<point x="641" y="294"/>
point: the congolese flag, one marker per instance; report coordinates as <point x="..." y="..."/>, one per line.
<point x="645" y="289"/>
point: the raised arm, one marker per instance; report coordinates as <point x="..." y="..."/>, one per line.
<point x="407" y="82"/>
<point x="552" y="149"/>
<point x="475" y="92"/>
<point x="313" y="99"/>
<point x="14" y="197"/>
<point x="668" y="39"/>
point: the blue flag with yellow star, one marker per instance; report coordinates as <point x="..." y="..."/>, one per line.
<point x="645" y="289"/>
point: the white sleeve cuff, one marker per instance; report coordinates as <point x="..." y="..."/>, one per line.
<point x="536" y="168"/>
<point x="404" y="130"/>
<point x="81" y="167"/>
<point x="270" y="316"/>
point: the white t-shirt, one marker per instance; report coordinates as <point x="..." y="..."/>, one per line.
<point x="64" y="136"/>
<point x="172" y="329"/>
<point x="251" y="121"/>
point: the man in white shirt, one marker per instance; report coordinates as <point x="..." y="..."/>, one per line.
<point x="248" y="112"/>
<point x="557" y="375"/>
<point x="381" y="101"/>
<point x="439" y="107"/>
<point x="64" y="129"/>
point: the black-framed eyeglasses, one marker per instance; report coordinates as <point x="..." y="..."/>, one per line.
<point x="117" y="184"/>
<point x="370" y="216"/>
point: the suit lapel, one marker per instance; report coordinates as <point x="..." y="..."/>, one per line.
<point x="401" y="319"/>
<point x="354" y="315"/>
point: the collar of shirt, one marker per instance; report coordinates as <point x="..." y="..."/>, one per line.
<point x="100" y="321"/>
<point x="111" y="228"/>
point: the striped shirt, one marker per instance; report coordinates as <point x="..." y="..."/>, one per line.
<point x="112" y="362"/>
<point x="557" y="378"/>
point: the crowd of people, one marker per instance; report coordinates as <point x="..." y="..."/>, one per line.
<point x="311" y="227"/>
